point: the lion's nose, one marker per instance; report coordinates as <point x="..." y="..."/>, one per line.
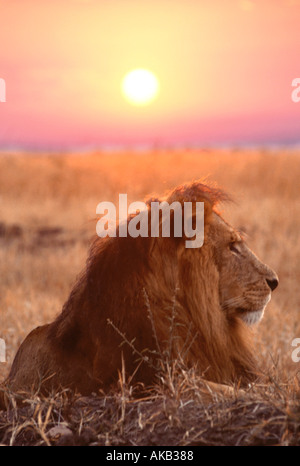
<point x="272" y="283"/>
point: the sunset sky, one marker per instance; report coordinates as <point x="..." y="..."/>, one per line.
<point x="225" y="70"/>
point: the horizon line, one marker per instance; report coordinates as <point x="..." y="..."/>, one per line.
<point x="235" y="145"/>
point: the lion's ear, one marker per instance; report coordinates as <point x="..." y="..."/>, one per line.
<point x="197" y="192"/>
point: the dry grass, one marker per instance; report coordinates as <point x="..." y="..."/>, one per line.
<point x="47" y="207"/>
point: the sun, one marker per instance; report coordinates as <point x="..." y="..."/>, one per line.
<point x="140" y="86"/>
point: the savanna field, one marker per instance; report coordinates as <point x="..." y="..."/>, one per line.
<point x="47" y="218"/>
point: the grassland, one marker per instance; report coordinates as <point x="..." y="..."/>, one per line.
<point x="47" y="217"/>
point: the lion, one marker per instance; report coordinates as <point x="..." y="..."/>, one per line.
<point x="136" y="294"/>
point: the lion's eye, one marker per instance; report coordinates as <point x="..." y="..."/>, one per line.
<point x="234" y="248"/>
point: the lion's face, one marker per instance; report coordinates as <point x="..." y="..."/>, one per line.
<point x="245" y="282"/>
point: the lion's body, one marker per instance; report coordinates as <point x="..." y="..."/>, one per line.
<point x="139" y="298"/>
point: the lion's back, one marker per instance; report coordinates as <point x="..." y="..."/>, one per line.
<point x="31" y="360"/>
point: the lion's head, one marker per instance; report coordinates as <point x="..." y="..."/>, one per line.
<point x="136" y="295"/>
<point x="245" y="283"/>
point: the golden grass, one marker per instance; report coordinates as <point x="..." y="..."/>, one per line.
<point x="60" y="192"/>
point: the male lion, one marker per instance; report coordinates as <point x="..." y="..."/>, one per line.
<point x="144" y="292"/>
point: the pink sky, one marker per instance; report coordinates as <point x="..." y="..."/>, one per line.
<point x="225" y="70"/>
